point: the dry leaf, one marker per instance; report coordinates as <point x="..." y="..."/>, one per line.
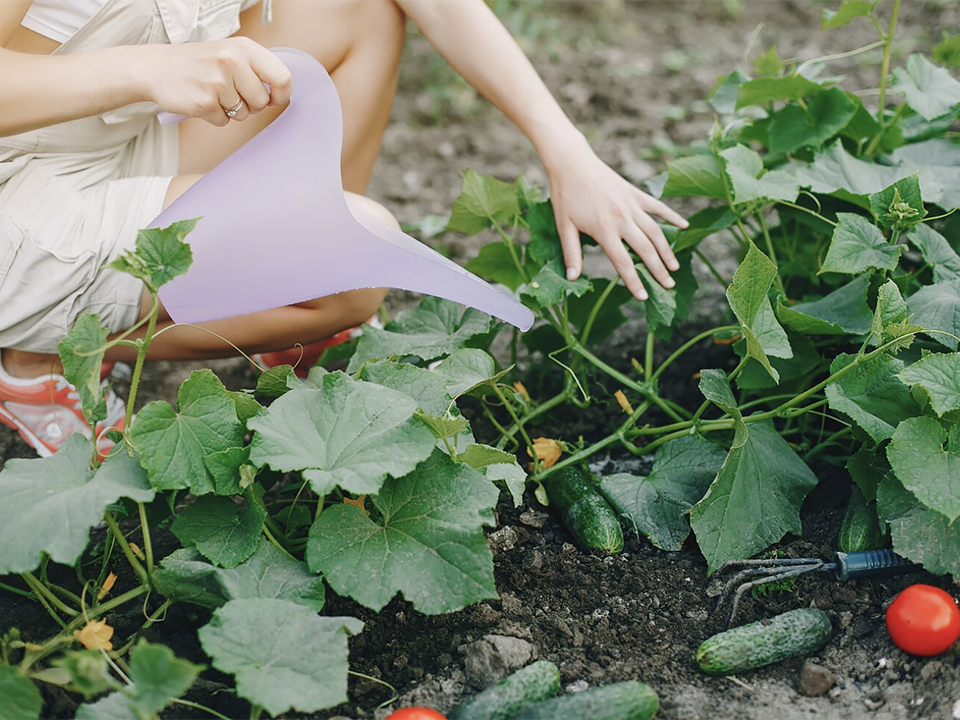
<point x="95" y="635"/>
<point x="624" y="403"/>
<point x="107" y="586"/>
<point x="359" y="502"/>
<point x="549" y="451"/>
<point x="518" y="386"/>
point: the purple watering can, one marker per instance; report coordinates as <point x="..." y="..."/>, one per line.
<point x="277" y="230"/>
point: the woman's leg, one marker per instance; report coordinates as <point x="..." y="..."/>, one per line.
<point x="359" y="42"/>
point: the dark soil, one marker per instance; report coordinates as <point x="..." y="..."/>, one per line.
<point x="633" y="83"/>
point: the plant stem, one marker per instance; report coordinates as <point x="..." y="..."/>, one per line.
<point x="713" y="270"/>
<point x="15" y="590"/>
<point x="147" y="539"/>
<point x="276" y="543"/>
<point x="648" y="355"/>
<point x="41" y="590"/>
<point x="817" y="215"/>
<point x="885" y="64"/>
<point x="543" y="407"/>
<point x="778" y="281"/>
<point x="41" y="598"/>
<point x="588" y="325"/>
<point x="125" y="548"/>
<point x="516" y="421"/>
<point x="689" y="344"/>
<point x="198" y="706"/>
<point x="142" y="347"/>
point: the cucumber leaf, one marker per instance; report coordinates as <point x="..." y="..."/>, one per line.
<point x="939" y="376"/>
<point x="160" y="254"/>
<point x="918" y="533"/>
<point x="762" y="91"/>
<point x="695" y="176"/>
<point x="19" y="697"/>
<point x="754" y="500"/>
<point x="50" y="504"/>
<point x="349" y="434"/>
<point x="483" y="200"/>
<point x="928" y="89"/>
<point x="841" y="312"/>
<point x="82" y="358"/>
<point x="750" y="182"/>
<point x="284" y="656"/>
<point x="658" y="505"/>
<point x="848" y="10"/>
<point x="937" y="307"/>
<point x="551" y="286"/>
<point x="159" y="677"/>
<point x="858" y="245"/>
<point x="223" y="532"/>
<point x="871" y="394"/>
<point x="926" y="458"/>
<point x="936" y="252"/>
<point x="428" y="544"/>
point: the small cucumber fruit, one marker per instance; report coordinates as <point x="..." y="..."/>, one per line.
<point x="588" y="517"/>
<point x="793" y="633"/>
<point x="630" y="700"/>
<point x="860" y="529"/>
<point x="537" y="681"/>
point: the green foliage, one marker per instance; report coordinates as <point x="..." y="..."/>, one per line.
<point x="283" y="655"/>
<point x="19" y="698"/>
<point x="82" y="361"/>
<point x="160" y="255"/>
<point x="223" y="532"/>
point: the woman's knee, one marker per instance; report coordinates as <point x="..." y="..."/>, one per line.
<point x="363" y="208"/>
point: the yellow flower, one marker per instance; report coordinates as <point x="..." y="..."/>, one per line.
<point x="107" y="586"/>
<point x="521" y="390"/>
<point x="549" y="451"/>
<point x="95" y="635"/>
<point x="624" y="403"/>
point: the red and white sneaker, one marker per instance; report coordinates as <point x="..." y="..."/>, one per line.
<point x="46" y="411"/>
<point x="304" y="358"/>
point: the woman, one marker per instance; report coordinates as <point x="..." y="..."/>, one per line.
<point x="84" y="163"/>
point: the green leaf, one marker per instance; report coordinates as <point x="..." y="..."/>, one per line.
<point x="769" y="63"/>
<point x="899" y="206"/>
<point x="847" y="11"/>
<point x="184" y="577"/>
<point x="495" y="263"/>
<point x="444" y="427"/>
<point x="926" y="459"/>
<point x="834" y="170"/>
<point x="115" y="706"/>
<point x="703" y="224"/>
<point x="919" y="534"/>
<point x="49" y="505"/>
<point x="483" y="199"/>
<point x="159" y="677"/>
<point x="937" y="307"/>
<point x="828" y="113"/>
<point x="544" y="244"/>
<point x="871" y="394"/>
<point x="755" y="499"/>
<point x="939" y="376"/>
<point x="695" y="176"/>
<point x="19" y="697"/>
<point x="936" y="251"/>
<point x="432" y="329"/>
<point x="512" y="476"/>
<point x="748" y="299"/>
<point x="930" y="90"/>
<point x="751" y="182"/>
<point x="858" y="245"/>
<point x="767" y="90"/>
<point x="81" y="353"/>
<point x="223" y="532"/>
<point x="947" y="51"/>
<point x="723" y="96"/>
<point x="276" y="381"/>
<point x="551" y="286"/>
<point x="429" y="544"/>
<point x="245" y="405"/>
<point x="283" y="656"/>
<point x="841" y="312"/>
<point x="478" y="456"/>
<point x="805" y="360"/>
<point x="867" y="466"/>
<point x="715" y="388"/>
<point x="160" y="255"/>
<point x="174" y="443"/>
<point x="350" y="434"/>
<point x="88" y="671"/>
<point x="890" y="316"/>
<point x="225" y="468"/>
<point x="467" y="369"/>
<point x="658" y="505"/>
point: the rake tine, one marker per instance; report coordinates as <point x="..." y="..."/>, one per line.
<point x="758" y="567"/>
<point x="791" y="572"/>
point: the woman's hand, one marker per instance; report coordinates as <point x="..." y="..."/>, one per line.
<point x="589" y="197"/>
<point x="204" y="80"/>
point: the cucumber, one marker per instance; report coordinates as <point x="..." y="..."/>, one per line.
<point x="538" y="681"/>
<point x="793" y="633"/>
<point x="630" y="700"/>
<point x="588" y="517"/>
<point x="860" y="529"/>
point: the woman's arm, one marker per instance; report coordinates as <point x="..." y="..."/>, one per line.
<point x="588" y="195"/>
<point x="197" y="80"/>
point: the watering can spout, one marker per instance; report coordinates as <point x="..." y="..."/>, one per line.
<point x="277" y="229"/>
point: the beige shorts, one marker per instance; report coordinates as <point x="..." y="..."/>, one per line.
<point x="72" y="196"/>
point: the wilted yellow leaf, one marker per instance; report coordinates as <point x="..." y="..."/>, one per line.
<point x="548" y="450"/>
<point x="107" y="586"/>
<point x="95" y="635"/>
<point x="624" y="403"/>
<point x="521" y="390"/>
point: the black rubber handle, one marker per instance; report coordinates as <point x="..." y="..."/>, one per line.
<point x="872" y="563"/>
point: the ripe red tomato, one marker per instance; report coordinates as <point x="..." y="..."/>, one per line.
<point x="923" y="620"/>
<point x="415" y="713"/>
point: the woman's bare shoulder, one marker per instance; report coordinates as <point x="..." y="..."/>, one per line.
<point x="11" y="13"/>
